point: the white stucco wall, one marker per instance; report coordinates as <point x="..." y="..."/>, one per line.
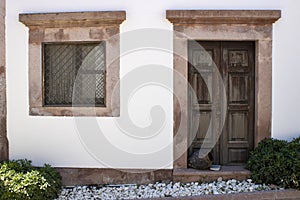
<point x="56" y="140"/>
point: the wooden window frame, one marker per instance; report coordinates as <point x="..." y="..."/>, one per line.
<point x="74" y="27"/>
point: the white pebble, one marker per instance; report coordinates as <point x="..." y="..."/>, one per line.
<point x="161" y="190"/>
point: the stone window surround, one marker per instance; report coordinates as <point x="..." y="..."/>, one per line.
<point x="74" y="27"/>
<point x="222" y="25"/>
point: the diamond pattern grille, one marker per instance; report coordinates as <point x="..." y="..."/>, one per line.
<point x="74" y="74"/>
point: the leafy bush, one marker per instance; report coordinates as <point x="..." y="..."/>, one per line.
<point x="276" y="162"/>
<point x="20" y="180"/>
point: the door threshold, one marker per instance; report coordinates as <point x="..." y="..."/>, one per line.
<point x="185" y="175"/>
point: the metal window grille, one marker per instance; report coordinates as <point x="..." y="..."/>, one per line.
<point x="74" y="74"/>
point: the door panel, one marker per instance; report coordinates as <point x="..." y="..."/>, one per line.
<point x="238" y="87"/>
<point x="201" y="78"/>
<point x="238" y="126"/>
<point x="238" y="74"/>
<point x="235" y="62"/>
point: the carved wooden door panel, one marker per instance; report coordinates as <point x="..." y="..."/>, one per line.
<point x="202" y="64"/>
<point x="235" y="62"/>
<point x="238" y="76"/>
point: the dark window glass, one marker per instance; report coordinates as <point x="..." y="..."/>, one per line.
<point x="74" y="74"/>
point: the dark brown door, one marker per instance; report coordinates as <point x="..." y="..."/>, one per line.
<point x="235" y="63"/>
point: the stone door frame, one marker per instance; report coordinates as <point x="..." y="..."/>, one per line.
<point x="222" y="25"/>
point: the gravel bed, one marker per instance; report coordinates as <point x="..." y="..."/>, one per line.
<point x="132" y="191"/>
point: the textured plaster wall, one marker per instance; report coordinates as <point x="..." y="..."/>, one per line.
<point x="55" y="139"/>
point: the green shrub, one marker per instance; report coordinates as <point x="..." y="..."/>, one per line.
<point x="20" y="180"/>
<point x="276" y="162"/>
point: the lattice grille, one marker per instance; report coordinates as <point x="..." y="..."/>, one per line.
<point x="74" y="74"/>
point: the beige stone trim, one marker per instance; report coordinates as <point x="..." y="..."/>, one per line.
<point x="73" y="19"/>
<point x="56" y="29"/>
<point x="237" y="25"/>
<point x="3" y="108"/>
<point x="223" y="16"/>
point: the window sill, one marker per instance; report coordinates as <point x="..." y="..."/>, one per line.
<point x="75" y="111"/>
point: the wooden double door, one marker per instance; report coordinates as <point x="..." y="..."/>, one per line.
<point x="235" y="63"/>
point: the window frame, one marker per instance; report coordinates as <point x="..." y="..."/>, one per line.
<point x="74" y="27"/>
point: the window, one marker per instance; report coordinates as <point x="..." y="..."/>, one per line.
<point x="74" y="63"/>
<point x="74" y="74"/>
